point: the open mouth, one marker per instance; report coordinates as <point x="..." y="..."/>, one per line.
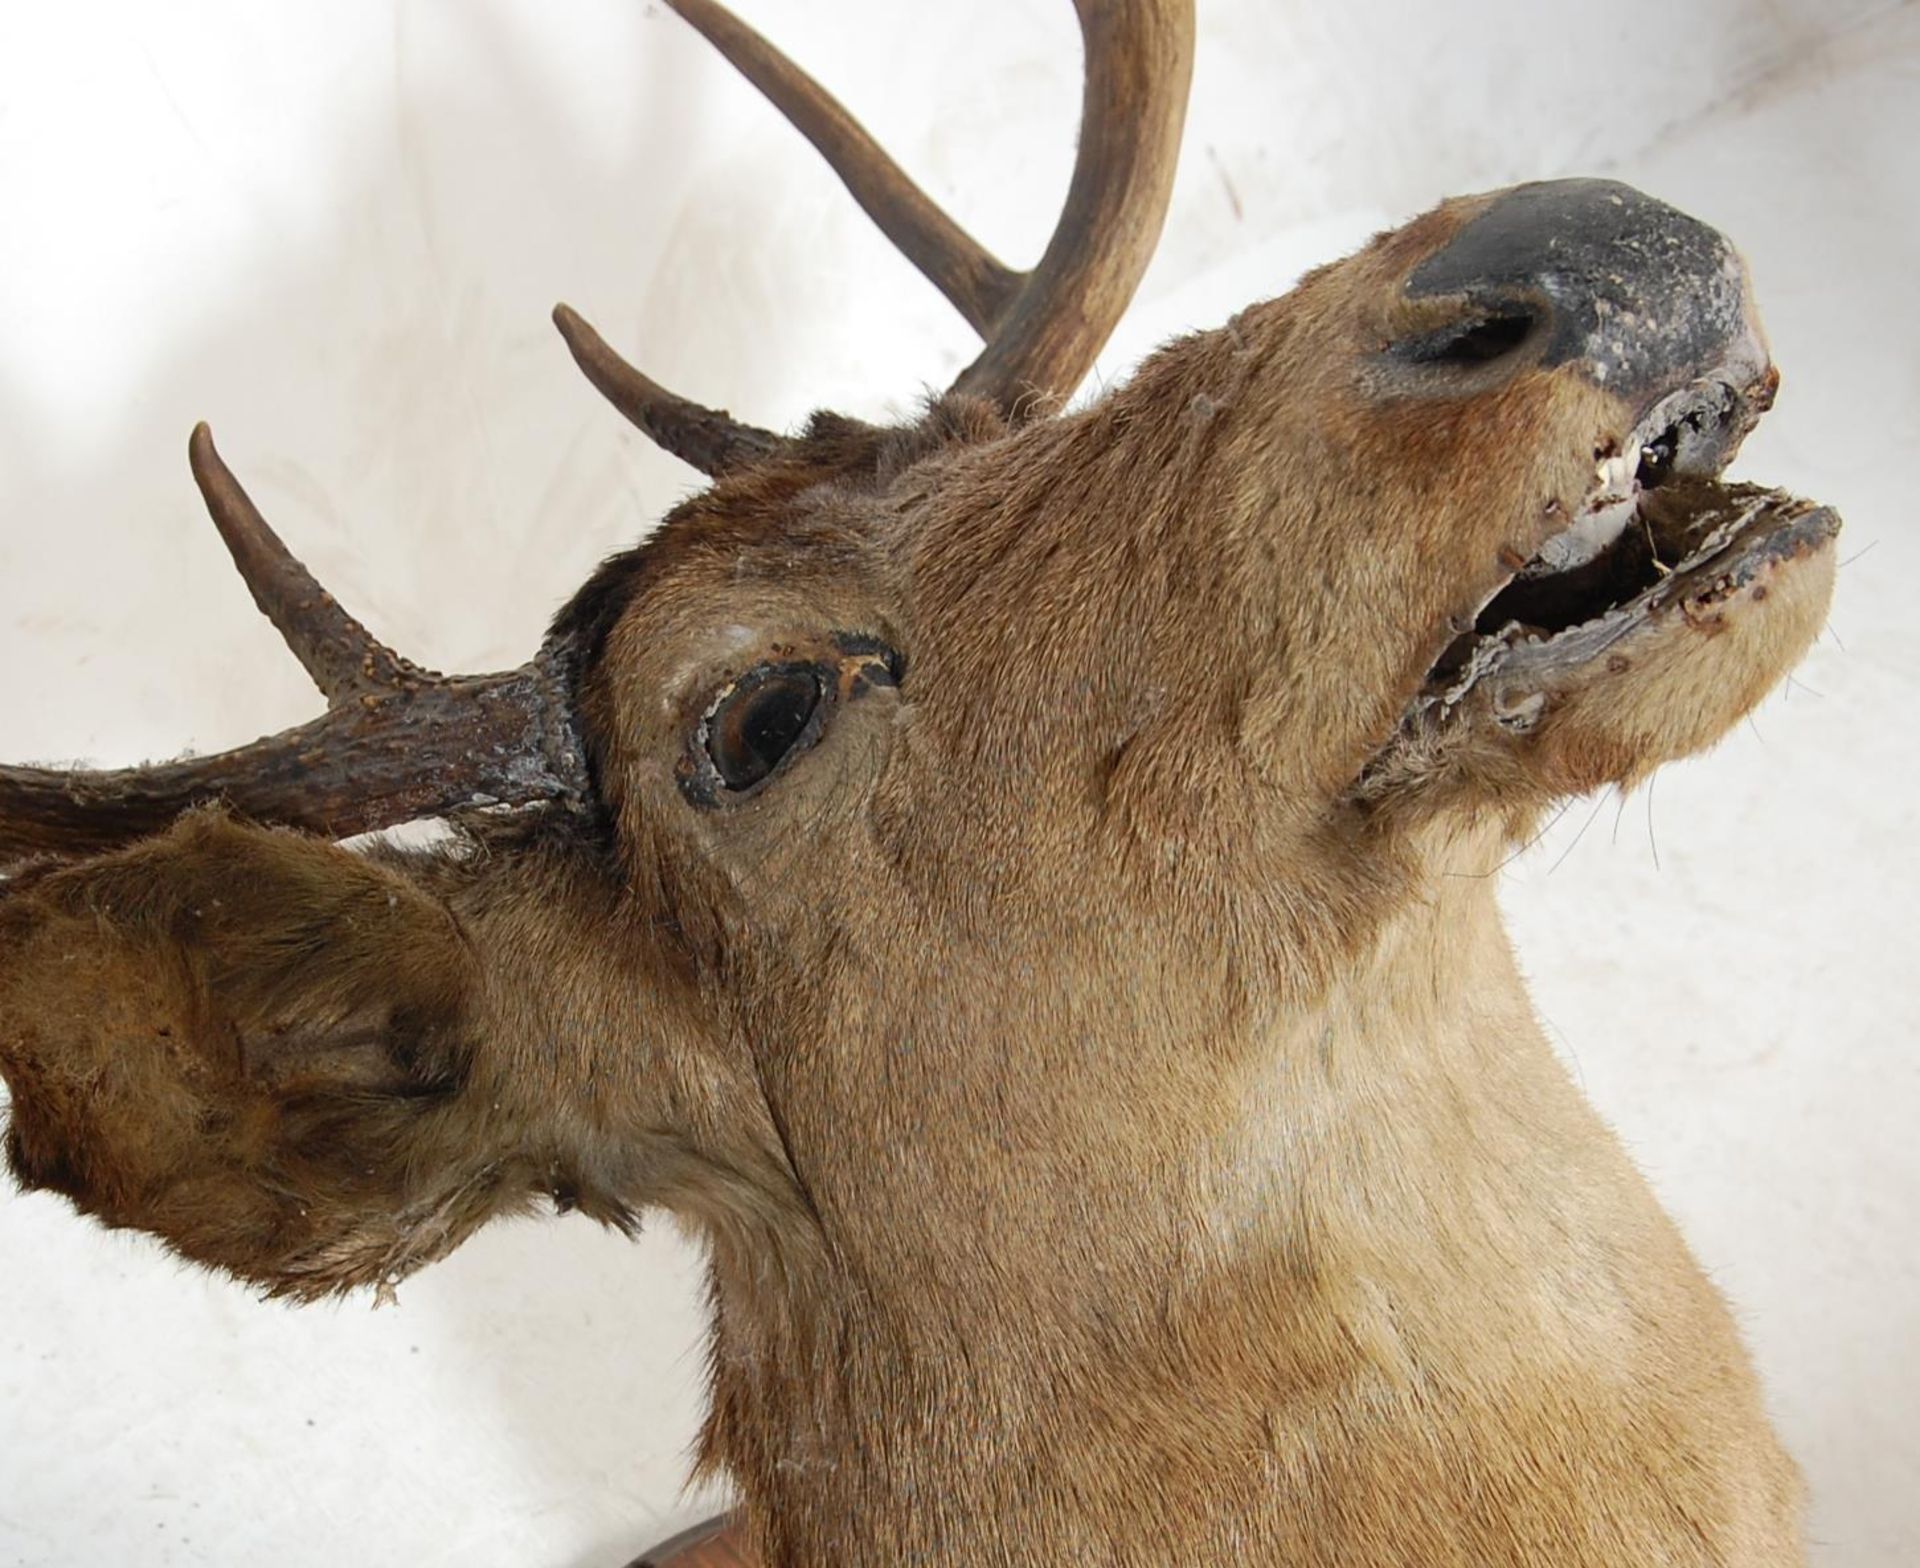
<point x="1660" y="530"/>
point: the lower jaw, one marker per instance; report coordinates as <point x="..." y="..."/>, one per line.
<point x="1683" y="540"/>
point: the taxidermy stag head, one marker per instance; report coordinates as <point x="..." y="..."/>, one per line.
<point x="1019" y="884"/>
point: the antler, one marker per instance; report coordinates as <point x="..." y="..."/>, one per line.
<point x="397" y="742"/>
<point x="1042" y="328"/>
<point x="709" y="439"/>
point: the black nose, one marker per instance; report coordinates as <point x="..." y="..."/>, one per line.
<point x="1638" y="294"/>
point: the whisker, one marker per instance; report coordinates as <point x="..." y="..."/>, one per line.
<point x="1591" y="815"/>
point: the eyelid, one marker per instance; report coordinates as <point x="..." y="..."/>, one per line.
<point x="842" y="666"/>
<point x="701" y="780"/>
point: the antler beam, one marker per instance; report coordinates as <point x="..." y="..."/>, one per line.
<point x="397" y="743"/>
<point x="1139" y="64"/>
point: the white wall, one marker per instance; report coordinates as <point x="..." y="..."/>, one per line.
<point x="336" y="230"/>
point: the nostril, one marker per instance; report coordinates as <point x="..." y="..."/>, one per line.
<point x="1486" y="340"/>
<point x="1467" y="344"/>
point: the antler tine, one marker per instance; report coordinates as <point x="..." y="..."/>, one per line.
<point x="341" y="655"/>
<point x="1044" y="328"/>
<point x="981" y="287"/>
<point x="397" y="742"/>
<point x="710" y="439"/>
<point x="1139" y="63"/>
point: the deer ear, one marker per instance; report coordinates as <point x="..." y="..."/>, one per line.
<point x="256" y="1045"/>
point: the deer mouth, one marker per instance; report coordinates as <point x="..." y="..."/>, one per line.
<point x="1661" y="535"/>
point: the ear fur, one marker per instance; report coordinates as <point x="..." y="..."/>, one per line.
<point x="253" y="1044"/>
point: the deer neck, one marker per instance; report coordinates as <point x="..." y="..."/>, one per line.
<point x="1295" y="1208"/>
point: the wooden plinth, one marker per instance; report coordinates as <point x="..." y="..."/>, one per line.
<point x="714" y="1544"/>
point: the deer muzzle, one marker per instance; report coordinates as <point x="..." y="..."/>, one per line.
<point x="1592" y="279"/>
<point x="1632" y="293"/>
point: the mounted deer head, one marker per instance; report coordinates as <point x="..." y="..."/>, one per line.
<point x="1020" y="883"/>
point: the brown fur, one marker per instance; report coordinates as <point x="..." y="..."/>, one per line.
<point x="1121" y="1137"/>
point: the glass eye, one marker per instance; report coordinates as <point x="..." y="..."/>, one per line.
<point x="758" y="722"/>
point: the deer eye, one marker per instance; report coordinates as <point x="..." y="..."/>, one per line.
<point x="759" y="720"/>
